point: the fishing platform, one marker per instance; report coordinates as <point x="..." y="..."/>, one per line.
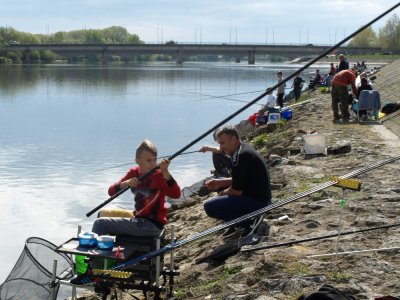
<point x="144" y="276"/>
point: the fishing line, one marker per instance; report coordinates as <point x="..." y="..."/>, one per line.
<point x="131" y="163"/>
<point x="210" y="97"/>
<point x="286" y="79"/>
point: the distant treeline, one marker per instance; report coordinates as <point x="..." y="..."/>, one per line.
<point x="111" y="35"/>
<point x="388" y="38"/>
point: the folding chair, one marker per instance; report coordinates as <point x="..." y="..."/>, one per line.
<point x="369" y="101"/>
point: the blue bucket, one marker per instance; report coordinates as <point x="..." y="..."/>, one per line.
<point x="287" y="114"/>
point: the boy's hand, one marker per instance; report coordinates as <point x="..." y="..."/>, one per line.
<point x="132" y="183"/>
<point x="164" y="168"/>
<point x="164" y="164"/>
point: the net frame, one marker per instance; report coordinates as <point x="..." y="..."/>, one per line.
<point x="32" y="275"/>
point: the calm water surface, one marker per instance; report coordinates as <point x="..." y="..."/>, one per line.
<point x="60" y="124"/>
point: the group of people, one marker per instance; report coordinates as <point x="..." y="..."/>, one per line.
<point x="242" y="183"/>
<point x="341" y="99"/>
<point x="241" y="180"/>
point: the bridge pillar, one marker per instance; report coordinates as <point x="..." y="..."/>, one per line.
<point x="27" y="56"/>
<point x="179" y="57"/>
<point x="251" y="57"/>
<point x="104" y="56"/>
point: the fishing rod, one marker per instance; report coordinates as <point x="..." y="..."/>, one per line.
<point x="252" y="215"/>
<point x="284" y="244"/>
<point x="286" y="79"/>
<point x="127" y="164"/>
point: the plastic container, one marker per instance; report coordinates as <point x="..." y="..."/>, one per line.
<point x="274" y="118"/>
<point x="287" y="114"/>
<point x="105" y="242"/>
<point x="87" y="239"/>
<point x="315" y="143"/>
<point x="80" y="264"/>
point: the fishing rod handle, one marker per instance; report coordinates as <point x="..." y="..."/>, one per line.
<point x="107" y="201"/>
<point x="120" y="192"/>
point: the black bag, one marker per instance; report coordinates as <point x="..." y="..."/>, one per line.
<point x="389" y="108"/>
<point x="327" y="292"/>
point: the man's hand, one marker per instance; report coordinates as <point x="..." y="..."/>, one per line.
<point x="213" y="184"/>
<point x="207" y="148"/>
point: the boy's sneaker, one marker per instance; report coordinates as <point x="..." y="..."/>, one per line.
<point x="81" y="280"/>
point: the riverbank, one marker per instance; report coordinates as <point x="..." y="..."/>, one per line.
<point x="288" y="272"/>
<point x="285" y="273"/>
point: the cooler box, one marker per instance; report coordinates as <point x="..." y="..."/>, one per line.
<point x="315" y="143"/>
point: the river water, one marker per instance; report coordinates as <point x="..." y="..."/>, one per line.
<point x="63" y="128"/>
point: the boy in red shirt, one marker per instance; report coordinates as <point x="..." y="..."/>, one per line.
<point x="150" y="213"/>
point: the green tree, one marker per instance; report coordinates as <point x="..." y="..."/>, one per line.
<point x="115" y="34"/>
<point x="34" y="57"/>
<point x="58" y="37"/>
<point x="366" y="38"/>
<point x="389" y="35"/>
<point x="46" y="56"/>
<point x="93" y="36"/>
<point x="134" y="39"/>
<point x="15" y="56"/>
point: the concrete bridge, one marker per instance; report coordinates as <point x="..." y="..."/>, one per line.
<point x="181" y="51"/>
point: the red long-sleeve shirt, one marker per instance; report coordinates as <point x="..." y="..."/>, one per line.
<point x="150" y="194"/>
<point x="344" y="78"/>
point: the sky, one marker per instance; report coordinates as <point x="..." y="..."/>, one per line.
<point x="206" y="21"/>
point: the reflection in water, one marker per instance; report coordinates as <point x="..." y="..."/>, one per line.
<point x="60" y="123"/>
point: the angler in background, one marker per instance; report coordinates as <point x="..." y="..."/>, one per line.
<point x="343" y="63"/>
<point x="281" y="89"/>
<point x="340" y="94"/>
<point x="268" y="107"/>
<point x="297" y="86"/>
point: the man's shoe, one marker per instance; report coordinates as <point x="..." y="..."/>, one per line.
<point x="346" y="120"/>
<point x="230" y="231"/>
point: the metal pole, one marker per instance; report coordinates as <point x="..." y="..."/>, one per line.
<point x="158" y="246"/>
<point x="171" y="265"/>
<point x="53" y="281"/>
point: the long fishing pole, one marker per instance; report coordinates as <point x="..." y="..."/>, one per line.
<point x="290" y="243"/>
<point x="251" y="215"/>
<point x="127" y="164"/>
<point x="326" y="52"/>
